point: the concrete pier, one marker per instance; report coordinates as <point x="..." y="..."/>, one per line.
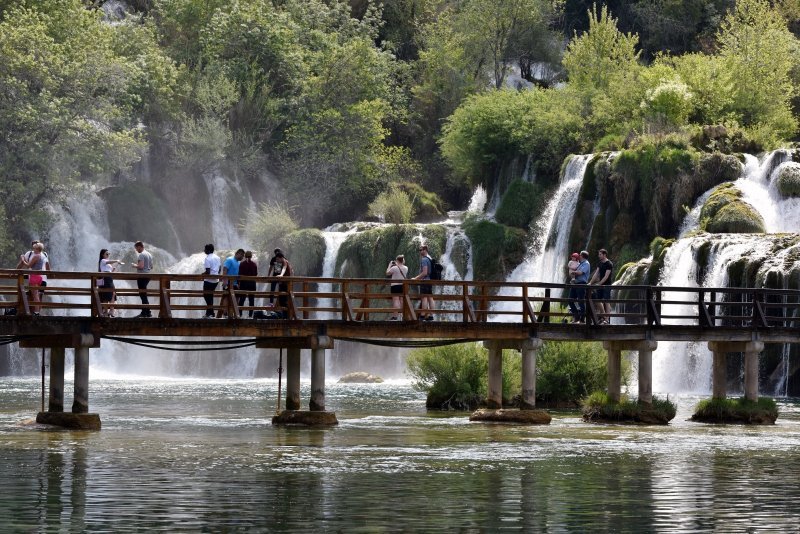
<point x="56" y="396"/>
<point x="529" y="350"/>
<point x="293" y="379"/>
<point x="317" y="402"/>
<point x="494" y="394"/>
<point x="80" y="403"/>
<point x="751" y="350"/>
<point x="645" y="349"/>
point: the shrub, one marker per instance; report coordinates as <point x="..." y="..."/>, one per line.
<point x="306" y="251"/>
<point x="268" y="225"/>
<point x="736" y="411"/>
<point x="567" y="371"/>
<point x="521" y="202"/>
<point x="427" y="206"/>
<point x="599" y="407"/>
<point x="393" y="206"/>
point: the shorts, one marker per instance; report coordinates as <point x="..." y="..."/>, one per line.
<point x="426" y="289"/>
<point x="396" y="289"/>
<point x="35" y="280"/>
<point x="603" y="293"/>
<point x="106" y="290"/>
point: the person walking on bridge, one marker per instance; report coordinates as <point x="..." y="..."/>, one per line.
<point x="143" y="265"/>
<point x="397" y="271"/>
<point x="247" y="268"/>
<point x="577" y="293"/>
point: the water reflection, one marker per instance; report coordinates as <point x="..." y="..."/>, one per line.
<point x="200" y="456"/>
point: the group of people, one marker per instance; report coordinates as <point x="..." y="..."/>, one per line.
<point x="241" y="263"/>
<point x="397" y="271"/>
<point x="107" y="290"/>
<point x="579" y="270"/>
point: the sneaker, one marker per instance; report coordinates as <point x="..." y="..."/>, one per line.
<point x="207" y="316"/>
<point x="393" y="319"/>
<point x="429" y="318"/>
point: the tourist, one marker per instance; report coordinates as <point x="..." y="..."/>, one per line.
<point x="282" y="269"/>
<point x="35" y="261"/>
<point x="143" y="265"/>
<point x="247" y="268"/>
<point x="211" y="266"/>
<point x="25" y="258"/>
<point x="274" y="271"/>
<point x="108" y="297"/>
<point x="425" y="289"/>
<point x="397" y="270"/>
<point x="603" y="277"/>
<point x="577" y="294"/>
<point x="572" y="266"/>
<point x="231" y="269"/>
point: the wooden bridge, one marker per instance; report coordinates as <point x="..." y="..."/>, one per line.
<point x="314" y="312"/>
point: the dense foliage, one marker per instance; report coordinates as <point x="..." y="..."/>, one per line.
<point x="354" y="99"/>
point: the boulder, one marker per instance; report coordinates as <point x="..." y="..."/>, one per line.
<point x="360" y="377"/>
<point x="523" y="417"/>
<point x="305" y="418"/>
<point x="788" y="180"/>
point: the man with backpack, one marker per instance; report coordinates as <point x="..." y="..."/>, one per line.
<point x="426" y="272"/>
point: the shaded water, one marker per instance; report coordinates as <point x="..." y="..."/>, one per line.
<point x="201" y="455"/>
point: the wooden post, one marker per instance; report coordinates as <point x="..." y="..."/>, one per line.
<point x="494" y="400"/>
<point x="81" y="401"/>
<point x="529" y="349"/>
<point x="293" y="379"/>
<point x="56" y="398"/>
<point x="317" y="402"/>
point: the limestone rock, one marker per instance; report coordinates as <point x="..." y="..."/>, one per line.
<point x="360" y="377"/>
<point x="305" y="418"/>
<point x="788" y="181"/>
<point x="524" y="417"/>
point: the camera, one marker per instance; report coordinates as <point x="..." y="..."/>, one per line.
<point x="392" y="262"/>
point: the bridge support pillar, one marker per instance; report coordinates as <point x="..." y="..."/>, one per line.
<point x="494" y="397"/>
<point x="529" y="349"/>
<point x="293" y="379"/>
<point x="645" y="347"/>
<point x="317" y="402"/>
<point x="751" y="350"/>
<point x="56" y="396"/>
<point x="81" y="400"/>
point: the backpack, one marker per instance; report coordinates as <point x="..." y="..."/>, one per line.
<point x="436" y="269"/>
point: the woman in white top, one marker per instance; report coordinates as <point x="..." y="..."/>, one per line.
<point x="108" y="297"/>
<point x="397" y="270"/>
<point x="36" y="261"/>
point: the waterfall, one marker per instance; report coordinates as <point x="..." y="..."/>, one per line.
<point x="229" y="202"/>
<point x="478" y="201"/>
<point x="334" y="238"/>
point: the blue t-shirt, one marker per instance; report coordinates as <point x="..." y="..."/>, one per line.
<point x="425" y="260"/>
<point x="583" y="268"/>
<point x="232" y="265"/>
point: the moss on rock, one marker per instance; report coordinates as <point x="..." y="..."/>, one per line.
<point x="366" y="254"/>
<point x="739" y="411"/>
<point x="496" y="248"/>
<point x="788" y="181"/>
<point x="520" y="203"/>
<point x="736" y="218"/>
<point x="306" y="250"/>
<point x="598" y="407"/>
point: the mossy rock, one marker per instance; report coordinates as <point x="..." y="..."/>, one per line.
<point x="427" y="206"/>
<point x="366" y="254"/>
<point x="521" y="202"/>
<point x="737" y="411"/>
<point x="599" y="408"/>
<point x="460" y="255"/>
<point x="496" y="248"/>
<point x="360" y="377"/>
<point x="722" y="195"/>
<point x="788" y="181"/>
<point x="736" y="218"/>
<point x="306" y="250"/>
<point x="137" y="213"/>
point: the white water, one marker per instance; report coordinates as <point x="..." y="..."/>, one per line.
<point x="333" y="241"/>
<point x="229" y="202"/>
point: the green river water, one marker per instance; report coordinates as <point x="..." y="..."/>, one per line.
<point x="202" y="456"/>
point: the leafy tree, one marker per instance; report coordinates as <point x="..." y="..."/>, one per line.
<point x="66" y="107"/>
<point x="268" y="225"/>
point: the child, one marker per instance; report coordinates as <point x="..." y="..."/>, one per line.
<point x="573" y="266"/>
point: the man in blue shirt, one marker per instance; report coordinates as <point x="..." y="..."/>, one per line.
<point x="229" y="268"/>
<point x="577" y="293"/>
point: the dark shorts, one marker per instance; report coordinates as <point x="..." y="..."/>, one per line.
<point x="603" y="293"/>
<point x="397" y="289"/>
<point x="426" y="289"/>
<point x="107" y="290"/>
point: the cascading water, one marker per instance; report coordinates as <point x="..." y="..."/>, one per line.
<point x="547" y="257"/>
<point x="334" y="237"/>
<point x="229" y="202"/>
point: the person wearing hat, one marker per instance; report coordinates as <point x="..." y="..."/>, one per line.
<point x="577" y="294"/>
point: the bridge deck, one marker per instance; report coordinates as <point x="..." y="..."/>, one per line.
<point x="360" y="309"/>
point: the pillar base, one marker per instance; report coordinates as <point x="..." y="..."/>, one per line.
<point x="523" y="417"/>
<point x="306" y="418"/>
<point x="72" y="421"/>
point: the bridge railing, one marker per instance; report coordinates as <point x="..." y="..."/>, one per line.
<point x="174" y="296"/>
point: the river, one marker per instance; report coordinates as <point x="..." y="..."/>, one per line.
<point x="201" y="455"/>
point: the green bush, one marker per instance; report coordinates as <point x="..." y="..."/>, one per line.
<point x="567" y="371"/>
<point x="740" y="410"/>
<point x="521" y="202"/>
<point x="600" y="408"/>
<point x="427" y="206"/>
<point x="788" y="181"/>
<point x="393" y="206"/>
<point x="268" y="225"/>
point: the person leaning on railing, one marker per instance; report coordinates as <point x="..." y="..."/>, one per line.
<point x="397" y="270"/>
